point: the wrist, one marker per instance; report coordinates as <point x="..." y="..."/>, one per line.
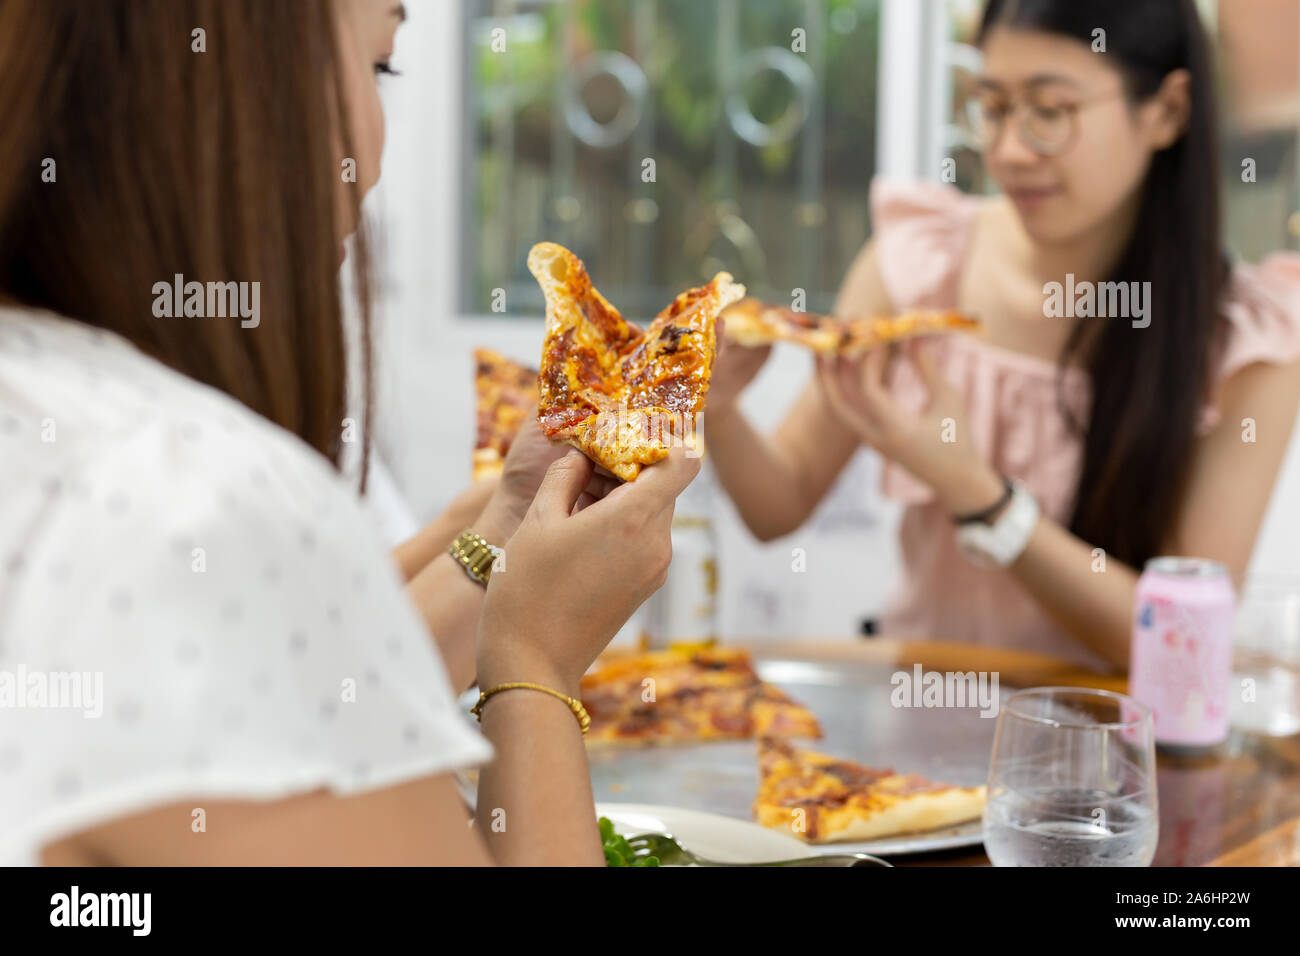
<point x="972" y="490"/>
<point x="501" y="516"/>
<point x="496" y="669"/>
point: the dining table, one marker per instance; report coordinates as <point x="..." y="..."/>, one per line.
<point x="1235" y="805"/>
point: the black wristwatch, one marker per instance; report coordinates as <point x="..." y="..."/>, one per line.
<point x="986" y="515"/>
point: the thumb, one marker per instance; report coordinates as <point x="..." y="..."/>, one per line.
<point x="667" y="478"/>
<point x="563" y="484"/>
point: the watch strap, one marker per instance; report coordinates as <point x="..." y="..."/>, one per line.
<point x="999" y="544"/>
<point x="474" y="554"/>
<point x="985" y="516"/>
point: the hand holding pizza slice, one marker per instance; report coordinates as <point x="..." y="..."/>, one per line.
<point x="621" y="395"/>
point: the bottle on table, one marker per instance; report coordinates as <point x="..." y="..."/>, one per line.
<point x="1181" y="655"/>
<point x="684" y="612"/>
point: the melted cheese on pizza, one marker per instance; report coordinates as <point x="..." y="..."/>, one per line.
<point x="821" y="799"/>
<point x="621" y="395"/>
<point x="682" y="696"/>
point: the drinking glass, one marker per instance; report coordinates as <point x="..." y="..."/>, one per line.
<point x="1266" y="657"/>
<point x="1072" y="781"/>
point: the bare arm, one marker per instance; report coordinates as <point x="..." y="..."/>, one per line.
<point x="417" y="553"/>
<point x="777" y="480"/>
<point x="539" y="810"/>
<point x="450" y="601"/>
<point x="1085" y="592"/>
<point x="540" y="623"/>
<point x="1228" y="493"/>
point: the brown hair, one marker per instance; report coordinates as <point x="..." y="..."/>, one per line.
<point x="221" y="165"/>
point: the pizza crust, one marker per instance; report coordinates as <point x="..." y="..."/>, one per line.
<point x="821" y="799"/>
<point x="914" y="813"/>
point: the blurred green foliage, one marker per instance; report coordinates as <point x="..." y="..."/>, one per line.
<point x="680" y="45"/>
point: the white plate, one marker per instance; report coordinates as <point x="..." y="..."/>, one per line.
<point x="707" y="835"/>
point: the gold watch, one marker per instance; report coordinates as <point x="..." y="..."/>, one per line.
<point x="473" y="553"/>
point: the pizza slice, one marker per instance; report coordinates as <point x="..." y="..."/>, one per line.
<point x="821" y="799"/>
<point x="683" y="696"/>
<point x="869" y="332"/>
<point x="506" y="393"/>
<point x="622" y="395"/>
<point x="753" y="323"/>
<point x="776" y="714"/>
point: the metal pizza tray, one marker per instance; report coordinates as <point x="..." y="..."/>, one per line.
<point x="852" y="701"/>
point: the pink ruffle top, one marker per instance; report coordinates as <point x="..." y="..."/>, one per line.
<point x="922" y="232"/>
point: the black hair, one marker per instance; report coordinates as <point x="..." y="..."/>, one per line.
<point x="1148" y="384"/>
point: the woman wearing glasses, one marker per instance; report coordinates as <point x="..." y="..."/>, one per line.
<point x="1042" y="464"/>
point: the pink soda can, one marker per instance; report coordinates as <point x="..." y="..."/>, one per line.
<point x="1181" y="658"/>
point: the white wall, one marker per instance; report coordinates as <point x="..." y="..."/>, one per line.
<point x="426" y="388"/>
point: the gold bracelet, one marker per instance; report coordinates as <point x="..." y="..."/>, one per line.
<point x="473" y="553"/>
<point x="580" y="712"/>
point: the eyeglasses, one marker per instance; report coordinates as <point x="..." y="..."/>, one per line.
<point x="1047" y="128"/>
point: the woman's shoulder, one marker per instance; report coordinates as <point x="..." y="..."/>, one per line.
<point x="86" y="393"/>
<point x="920" y="239"/>
<point x="204" y="591"/>
<point x="1261" y="310"/>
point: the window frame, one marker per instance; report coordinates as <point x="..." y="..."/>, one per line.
<point x="912" y="106"/>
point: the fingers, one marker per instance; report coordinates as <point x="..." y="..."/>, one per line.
<point x="668" y="478"/>
<point x="872" y="380"/>
<point x="927" y="365"/>
<point x="600" y="484"/>
<point x="831" y="374"/>
<point x="563" y="485"/>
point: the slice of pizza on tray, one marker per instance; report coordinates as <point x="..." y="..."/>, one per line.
<point x="506" y="393"/>
<point x="822" y="799"/>
<point x="683" y="696"/>
<point x="621" y="395"/>
<point x="753" y="323"/>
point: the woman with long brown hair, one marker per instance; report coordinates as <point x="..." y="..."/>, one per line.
<point x="1040" y="466"/>
<point x="205" y="656"/>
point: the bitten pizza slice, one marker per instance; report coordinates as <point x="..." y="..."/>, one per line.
<point x="506" y="394"/>
<point x="622" y="396"/>
<point x="821" y="799"/>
